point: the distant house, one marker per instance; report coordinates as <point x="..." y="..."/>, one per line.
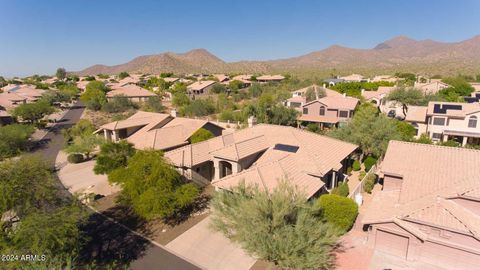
<point x="82" y="85"/>
<point x="443" y="121"/>
<point x="29" y="92"/>
<point x="221" y="77"/>
<point x="429" y="207"/>
<point x="14" y="95"/>
<point x="146" y="130"/>
<point x="354" y="78"/>
<point x="170" y="79"/>
<point x="385" y="78"/>
<point x="299" y="99"/>
<point x="332" y="82"/>
<point x="245" y="79"/>
<point x="132" y="92"/>
<point x="379" y="99"/>
<point x="270" y="78"/>
<point x="329" y="111"/>
<point x="432" y="87"/>
<point x="263" y="155"/>
<point x="200" y="87"/>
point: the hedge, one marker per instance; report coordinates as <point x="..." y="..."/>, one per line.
<point x="369" y="183"/>
<point x="369" y="162"/>
<point x="75" y="158"/>
<point x="339" y="211"/>
<point x="341" y="190"/>
<point x="356" y="165"/>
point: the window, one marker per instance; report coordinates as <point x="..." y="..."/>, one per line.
<point x="472" y="122"/>
<point x="439" y="121"/>
<point x="343" y="114"/>
<point x="436" y="136"/>
<point x="322" y="110"/>
<point x="305" y="110"/>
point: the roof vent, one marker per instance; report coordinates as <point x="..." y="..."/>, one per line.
<point x="286" y="148"/>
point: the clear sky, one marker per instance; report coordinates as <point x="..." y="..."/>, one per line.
<point x="36" y="37"/>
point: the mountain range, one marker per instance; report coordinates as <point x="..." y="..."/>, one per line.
<point x="400" y="54"/>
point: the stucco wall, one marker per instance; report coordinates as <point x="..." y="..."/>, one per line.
<point x="392" y="183"/>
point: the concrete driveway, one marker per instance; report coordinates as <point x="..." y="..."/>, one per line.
<point x="210" y="250"/>
<point x="80" y="178"/>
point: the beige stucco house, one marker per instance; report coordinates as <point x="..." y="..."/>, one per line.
<point x="263" y="155"/>
<point x="299" y="99"/>
<point x="131" y="91"/>
<point x="444" y="121"/>
<point x="429" y="208"/>
<point x="200" y="87"/>
<point x="432" y="87"/>
<point x="329" y="111"/>
<point x="270" y="78"/>
<point x="147" y="130"/>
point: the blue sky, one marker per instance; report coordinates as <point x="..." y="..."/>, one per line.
<point x="36" y="37"/>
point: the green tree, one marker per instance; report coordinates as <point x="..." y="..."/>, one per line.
<point x="153" y="104"/>
<point x="235" y="85"/>
<point x="310" y="94"/>
<point x="219" y="88"/>
<point x="369" y="129"/>
<point x="112" y="156"/>
<point x="278" y="226"/>
<point x="14" y="139"/>
<point x="424" y="138"/>
<point x="199" y="107"/>
<point x="201" y="135"/>
<point x="180" y="99"/>
<point x="123" y="75"/>
<point x="95" y="95"/>
<point x="33" y="112"/>
<point x="118" y="104"/>
<point x="61" y="73"/>
<point x="406" y="97"/>
<point x="84" y="144"/>
<point x="82" y="128"/>
<point x="255" y="90"/>
<point x="152" y="186"/>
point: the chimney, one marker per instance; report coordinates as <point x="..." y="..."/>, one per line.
<point x="363" y="91"/>
<point x="344" y="94"/>
<point x="173" y="113"/>
<point x="324" y="85"/>
<point x="252" y="121"/>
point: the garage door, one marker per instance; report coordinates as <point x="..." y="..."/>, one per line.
<point x="391" y="243"/>
<point x="448" y="257"/>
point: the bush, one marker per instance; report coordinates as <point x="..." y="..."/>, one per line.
<point x="14" y="139"/>
<point x="341" y="190"/>
<point x="201" y="135"/>
<point x="119" y="104"/>
<point x="356" y="165"/>
<point x="361" y="175"/>
<point x="313" y="127"/>
<point x="369" y="162"/>
<point x="338" y="210"/>
<point x="112" y="156"/>
<point x="75" y="158"/>
<point x="369" y="183"/>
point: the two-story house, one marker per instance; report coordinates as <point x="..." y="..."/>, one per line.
<point x="299" y="98"/>
<point x="328" y="111"/>
<point x="444" y="121"/>
<point x="429" y="207"/>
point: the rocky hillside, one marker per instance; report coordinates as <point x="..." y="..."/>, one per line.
<point x="398" y="54"/>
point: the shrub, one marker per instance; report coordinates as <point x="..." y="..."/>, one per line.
<point x="356" y="165"/>
<point x="313" y="127"/>
<point x="14" y="139"/>
<point x="75" y="158"/>
<point x="338" y="210"/>
<point x="369" y="183"/>
<point x="201" y="135"/>
<point x="369" y="162"/>
<point x="119" y="104"/>
<point x="113" y="155"/>
<point x="341" y="190"/>
<point x="361" y="175"/>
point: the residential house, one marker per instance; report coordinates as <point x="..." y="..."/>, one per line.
<point x="379" y="98"/>
<point x="221" y="77"/>
<point x="132" y="92"/>
<point x="270" y="78"/>
<point x="429" y="206"/>
<point x="417" y="117"/>
<point x="263" y="155"/>
<point x="245" y="79"/>
<point x="385" y="78"/>
<point x="329" y="111"/>
<point x="200" y="87"/>
<point x="445" y="121"/>
<point x="431" y="87"/>
<point x="82" y="85"/>
<point x="29" y="92"/>
<point x="332" y="82"/>
<point x="170" y="79"/>
<point x="147" y="130"/>
<point x="299" y="99"/>
<point x="354" y="78"/>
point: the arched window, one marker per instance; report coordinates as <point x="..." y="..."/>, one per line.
<point x="472" y="121"/>
<point x="322" y="110"/>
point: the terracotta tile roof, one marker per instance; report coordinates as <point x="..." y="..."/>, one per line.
<point x="416" y="114"/>
<point x="431" y="177"/>
<point x="315" y="155"/>
<point x="318" y="118"/>
<point x="328" y="92"/>
<point x="299" y="99"/>
<point x="197" y="86"/>
<point x="221" y="77"/>
<point x="170" y="79"/>
<point x="466" y="108"/>
<point x="138" y="119"/>
<point x="130" y="90"/>
<point x="337" y="102"/>
<point x="270" y="78"/>
<point x="382" y="91"/>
